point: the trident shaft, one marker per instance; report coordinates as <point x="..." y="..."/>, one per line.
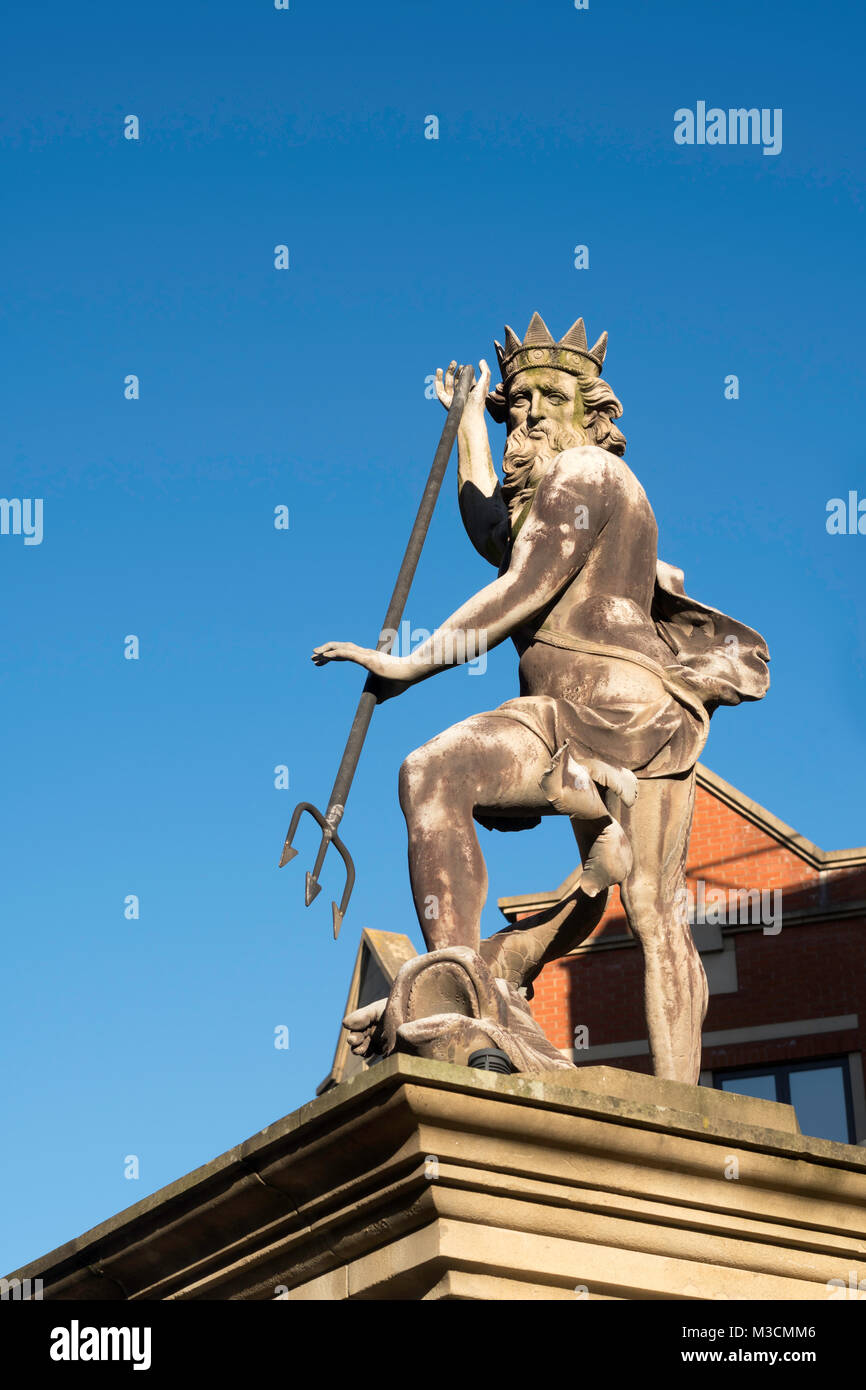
<point x="369" y="697"/>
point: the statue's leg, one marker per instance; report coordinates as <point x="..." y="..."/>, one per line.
<point x="518" y="953"/>
<point x="484" y="762"/>
<point x="675" y="987"/>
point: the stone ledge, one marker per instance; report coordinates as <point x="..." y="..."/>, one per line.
<point x="625" y="1172"/>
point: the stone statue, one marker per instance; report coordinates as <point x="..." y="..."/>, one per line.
<point x="619" y="674"/>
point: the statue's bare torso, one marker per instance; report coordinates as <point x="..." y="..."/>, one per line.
<point x="607" y="603"/>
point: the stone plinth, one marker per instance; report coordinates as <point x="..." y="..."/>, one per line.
<point x="421" y="1180"/>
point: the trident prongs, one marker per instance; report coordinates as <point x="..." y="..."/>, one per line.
<point x="329" y="836"/>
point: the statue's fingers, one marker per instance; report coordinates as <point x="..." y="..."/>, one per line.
<point x="440" y="387"/>
<point x="331" y="651"/>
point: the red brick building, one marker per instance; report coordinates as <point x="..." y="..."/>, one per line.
<point x="781" y="927"/>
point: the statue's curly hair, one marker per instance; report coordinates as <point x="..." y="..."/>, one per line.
<point x="601" y="407"/>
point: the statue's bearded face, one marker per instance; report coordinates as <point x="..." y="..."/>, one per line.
<point x="543" y="393"/>
<point x="540" y="403"/>
<point x="545" y="416"/>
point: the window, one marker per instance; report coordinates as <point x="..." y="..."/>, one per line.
<point x="820" y="1093"/>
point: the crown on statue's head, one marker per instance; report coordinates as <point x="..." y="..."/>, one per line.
<point x="538" y="349"/>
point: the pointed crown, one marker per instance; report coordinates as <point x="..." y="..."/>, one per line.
<point x="538" y="349"/>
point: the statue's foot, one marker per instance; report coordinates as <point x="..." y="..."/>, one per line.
<point x="609" y="860"/>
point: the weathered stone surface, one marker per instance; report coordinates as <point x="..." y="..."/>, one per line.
<point x="678" y="1096"/>
<point x="423" y="1180"/>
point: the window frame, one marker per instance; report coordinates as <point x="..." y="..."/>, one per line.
<point x="781" y="1073"/>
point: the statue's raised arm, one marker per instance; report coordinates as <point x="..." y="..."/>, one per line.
<point x="481" y="503"/>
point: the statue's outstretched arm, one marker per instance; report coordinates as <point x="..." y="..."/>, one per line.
<point x="549" y="551"/>
<point x="481" y="504"/>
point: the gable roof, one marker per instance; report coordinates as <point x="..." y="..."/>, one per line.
<point x="792" y="840"/>
<point x="380" y="955"/>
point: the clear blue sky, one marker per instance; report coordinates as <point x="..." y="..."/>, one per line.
<point x="155" y="1037"/>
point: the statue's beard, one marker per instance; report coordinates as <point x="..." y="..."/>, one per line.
<point x="528" y="455"/>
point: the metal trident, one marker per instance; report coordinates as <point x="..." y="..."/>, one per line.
<point x="369" y="698"/>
